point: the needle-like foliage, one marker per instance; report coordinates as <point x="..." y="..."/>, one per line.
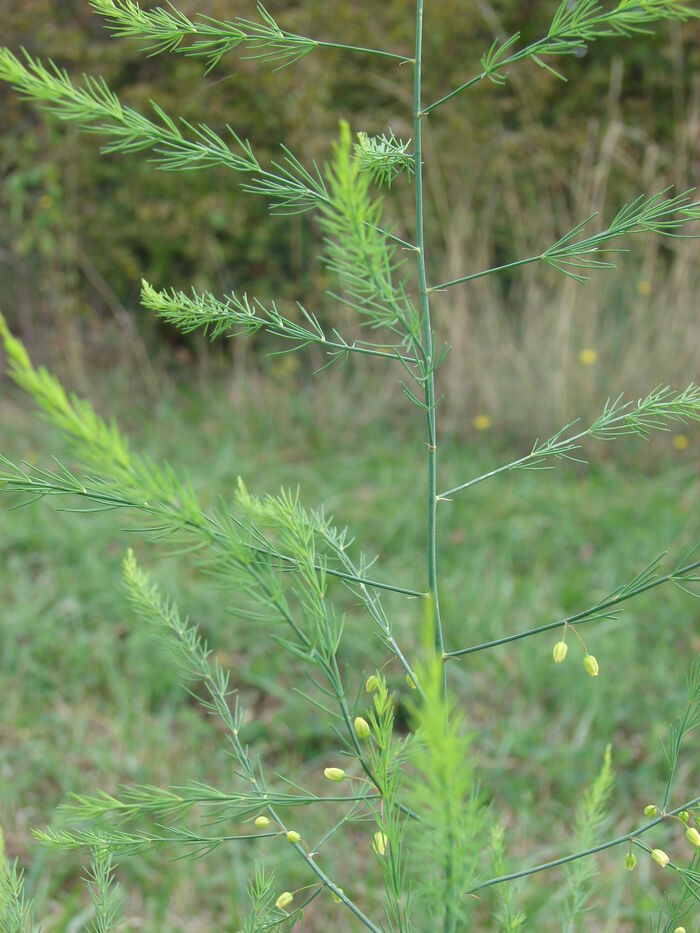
<point x="408" y="791"/>
<point x="15" y="909"/>
<point x="166" y="29"/>
<point x="589" y="822"/>
<point x="104" y="893"/>
<point x="358" y="252"/>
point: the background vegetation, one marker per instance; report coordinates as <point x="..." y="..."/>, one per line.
<point x="88" y="698"/>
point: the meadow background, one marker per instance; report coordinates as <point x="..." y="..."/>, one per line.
<point x="87" y="698"/>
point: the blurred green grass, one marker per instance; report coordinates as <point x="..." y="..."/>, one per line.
<point x="90" y="700"/>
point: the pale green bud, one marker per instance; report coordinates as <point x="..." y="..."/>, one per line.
<point x="684" y="816"/>
<point x="559" y="651"/>
<point x="372" y="683"/>
<point x="335" y="897"/>
<point x="262" y="822"/>
<point x="693" y="835"/>
<point x="361" y="728"/>
<point x="630" y="861"/>
<point x="651" y="811"/>
<point x="591" y="665"/>
<point x="409" y="681"/>
<point x="380" y="843"/>
<point x="284" y="900"/>
<point x="334" y="774"/>
<point x="293" y="837"/>
<point x="660" y="857"/>
<point x="679" y="930"/>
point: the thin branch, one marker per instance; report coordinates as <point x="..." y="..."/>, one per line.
<point x="619" y="840"/>
<point x="595" y="612"/>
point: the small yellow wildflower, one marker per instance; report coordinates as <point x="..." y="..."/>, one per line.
<point x="482" y="422"/>
<point x="559" y="651"/>
<point x="334" y="774"/>
<point x="361" y="728"/>
<point x="660" y="857"/>
<point x="681" y="441"/>
<point x="588" y="356"/>
<point x="284" y="900"/>
<point x="379" y="843"/>
<point x="644" y="287"/>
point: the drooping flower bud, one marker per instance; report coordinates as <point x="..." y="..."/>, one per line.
<point x="293" y="836"/>
<point x="693" y="835"/>
<point x="262" y="822"/>
<point x="379" y="843"/>
<point x="630" y="861"/>
<point x="284" y="900"/>
<point x="591" y="665"/>
<point x="660" y="857"/>
<point x="338" y="900"/>
<point x="335" y="774"/>
<point x="651" y="811"/>
<point x="684" y="816"/>
<point x="559" y="651"/>
<point x="679" y="930"/>
<point x="372" y="683"/>
<point x="361" y="728"/>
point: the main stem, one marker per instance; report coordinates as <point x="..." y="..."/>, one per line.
<point x="427" y="337"/>
<point x="428" y="356"/>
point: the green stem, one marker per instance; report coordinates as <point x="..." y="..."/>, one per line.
<point x="578" y="617"/>
<point x="427" y="337"/>
<point x="430" y="404"/>
<point x="358" y="48"/>
<point x="619" y="840"/>
<point x="311" y="863"/>
<point x="457" y="90"/>
<point x="480" y="275"/>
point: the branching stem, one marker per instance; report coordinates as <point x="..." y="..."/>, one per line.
<point x="619" y="840"/>
<point x="584" y="615"/>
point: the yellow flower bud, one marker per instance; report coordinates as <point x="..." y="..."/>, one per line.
<point x="334" y="774"/>
<point x="559" y="651"/>
<point x="284" y="900"/>
<point x="372" y="683"/>
<point x="684" y="816"/>
<point x="361" y="728"/>
<point x="293" y="837"/>
<point x="650" y="811"/>
<point x="630" y="861"/>
<point x="591" y="665"/>
<point x="660" y="857"/>
<point x="262" y="822"/>
<point x="380" y="843"/>
<point x="693" y="835"/>
<point x="679" y="930"/>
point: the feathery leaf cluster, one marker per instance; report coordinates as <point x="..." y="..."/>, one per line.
<point x="591" y="818"/>
<point x="418" y="790"/>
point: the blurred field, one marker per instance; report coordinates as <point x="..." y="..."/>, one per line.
<point x="91" y="700"/>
